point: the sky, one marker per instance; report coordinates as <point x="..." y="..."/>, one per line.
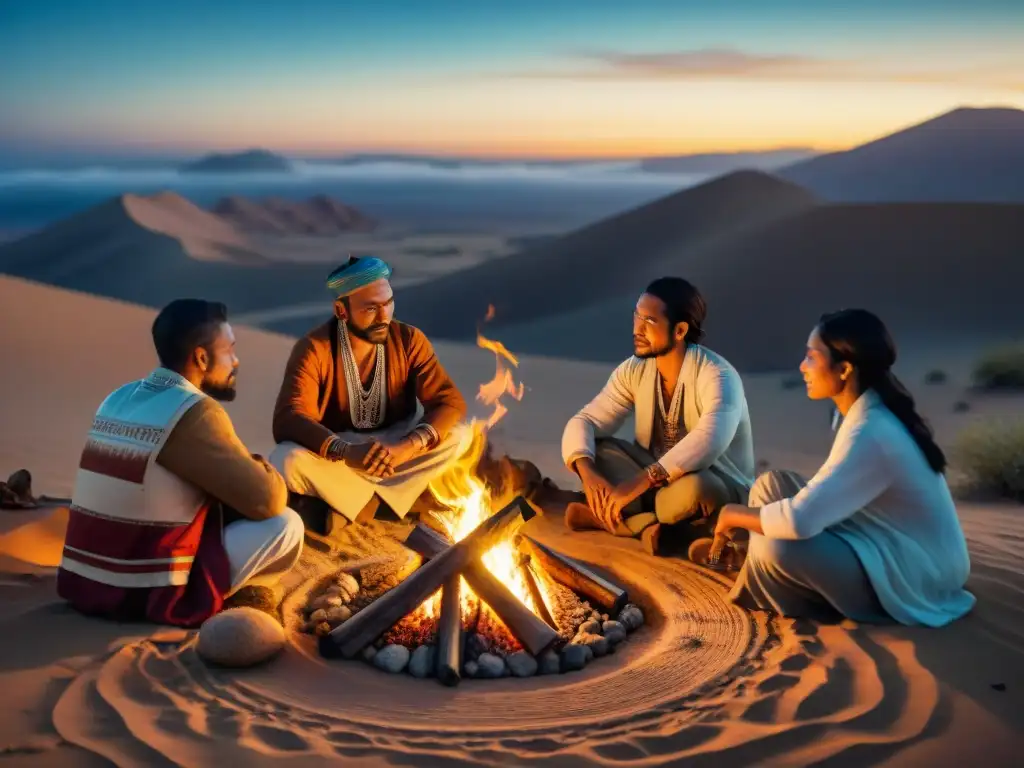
<point x="494" y="78"/>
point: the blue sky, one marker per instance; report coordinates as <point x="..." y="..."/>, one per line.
<point x="555" y="78"/>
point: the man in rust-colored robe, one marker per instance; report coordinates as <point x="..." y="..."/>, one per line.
<point x="366" y="412"/>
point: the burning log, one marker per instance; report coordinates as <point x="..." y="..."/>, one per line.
<point x="533" y="584"/>
<point x="576" y="576"/>
<point x="449" y="634"/>
<point x="532" y="631"/>
<point x="350" y="638"/>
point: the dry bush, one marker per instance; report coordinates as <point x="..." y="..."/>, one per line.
<point x="936" y="377"/>
<point x="990" y="455"/>
<point x="1001" y="368"/>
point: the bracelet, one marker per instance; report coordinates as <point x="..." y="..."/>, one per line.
<point x="336" y="449"/>
<point x="656" y="474"/>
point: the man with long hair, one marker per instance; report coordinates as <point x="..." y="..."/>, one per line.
<point x="693" y="449"/>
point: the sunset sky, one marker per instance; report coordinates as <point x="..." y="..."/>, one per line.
<point x="566" y="78"/>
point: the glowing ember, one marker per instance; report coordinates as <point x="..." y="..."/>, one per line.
<point x="467" y="498"/>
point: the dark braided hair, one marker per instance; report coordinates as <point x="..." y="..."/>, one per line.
<point x="861" y="339"/>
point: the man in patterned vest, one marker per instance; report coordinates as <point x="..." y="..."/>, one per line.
<point x="171" y="515"/>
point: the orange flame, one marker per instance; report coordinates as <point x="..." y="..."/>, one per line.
<point x="466" y="497"/>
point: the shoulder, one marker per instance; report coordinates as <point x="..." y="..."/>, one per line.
<point x="316" y="340"/>
<point x="631" y="370"/>
<point x="410" y="338"/>
<point x="708" y="360"/>
<point x="204" y="415"/>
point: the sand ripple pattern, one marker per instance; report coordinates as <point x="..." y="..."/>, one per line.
<point x="703" y="682"/>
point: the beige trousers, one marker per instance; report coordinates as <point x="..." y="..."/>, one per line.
<point x="348" y="491"/>
<point x="690" y="504"/>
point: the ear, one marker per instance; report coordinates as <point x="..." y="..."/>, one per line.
<point x="682" y="329"/>
<point x="339" y="310"/>
<point x="845" y="371"/>
<point x="202" y="358"/>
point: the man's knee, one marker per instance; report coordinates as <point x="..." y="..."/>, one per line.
<point x="774" y="485"/>
<point x="294" y="463"/>
<point x="289" y="530"/>
<point x="777" y="553"/>
<point x="696" y="494"/>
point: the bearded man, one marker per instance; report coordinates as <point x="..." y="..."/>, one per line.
<point x="170" y="512"/>
<point x="693" y="449"/>
<point x="366" y="413"/>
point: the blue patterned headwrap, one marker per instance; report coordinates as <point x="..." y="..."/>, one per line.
<point x="357" y="273"/>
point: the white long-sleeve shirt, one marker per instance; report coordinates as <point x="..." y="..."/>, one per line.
<point x="878" y="493"/>
<point x="715" y="416"/>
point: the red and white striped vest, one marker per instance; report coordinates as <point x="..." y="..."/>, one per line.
<point x="142" y="542"/>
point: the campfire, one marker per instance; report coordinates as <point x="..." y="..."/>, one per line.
<point x="481" y="599"/>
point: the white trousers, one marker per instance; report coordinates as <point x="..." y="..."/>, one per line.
<point x="261" y="551"/>
<point x="348" y="491"/>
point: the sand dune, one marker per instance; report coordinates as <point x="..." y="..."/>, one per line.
<point x="702" y="684"/>
<point x="766" y="282"/>
<point x="151" y="250"/>
<point x="319" y="215"/>
<point x="966" y="155"/>
<point x="602" y="260"/>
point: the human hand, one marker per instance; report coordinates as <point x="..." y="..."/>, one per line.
<point x="402" y="451"/>
<point x="615" y="501"/>
<point x="372" y="458"/>
<point x="595" y="488"/>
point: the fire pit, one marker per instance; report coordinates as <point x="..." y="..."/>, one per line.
<point x="546" y="614"/>
<point x="474" y="597"/>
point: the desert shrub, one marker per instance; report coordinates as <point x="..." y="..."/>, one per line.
<point x="990" y="456"/>
<point x="961" y="406"/>
<point x="936" y="377"/>
<point x="1002" y="368"/>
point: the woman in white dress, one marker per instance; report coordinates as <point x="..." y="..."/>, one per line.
<point x="874" y="535"/>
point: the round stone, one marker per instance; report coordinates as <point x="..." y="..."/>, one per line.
<point x="475" y="645"/>
<point x="240" y="637"/>
<point x="522" y="664"/>
<point x="328" y="601"/>
<point x="470" y="668"/>
<point x="318" y="615"/>
<point x="550" y="664"/>
<point x="590" y="627"/>
<point x="421" y="664"/>
<point x="614" y="631"/>
<point x="347" y="582"/>
<point x="490" y="666"/>
<point x="631" y="617"/>
<point x="368" y="653"/>
<point x="391" y="658"/>
<point x="338" y="614"/>
<point x="575" y="657"/>
<point x="596" y="643"/>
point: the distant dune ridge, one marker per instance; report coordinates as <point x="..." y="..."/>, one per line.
<point x="769" y="259"/>
<point x="724" y="162"/>
<point x="966" y="155"/>
<point x="151" y="249"/>
<point x="319" y="215"/>
<point x="247" y="161"/>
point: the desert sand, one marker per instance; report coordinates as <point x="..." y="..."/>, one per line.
<point x="703" y="683"/>
<point x="150" y="249"/>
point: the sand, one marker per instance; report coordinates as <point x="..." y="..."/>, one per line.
<point x="704" y="683"/>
